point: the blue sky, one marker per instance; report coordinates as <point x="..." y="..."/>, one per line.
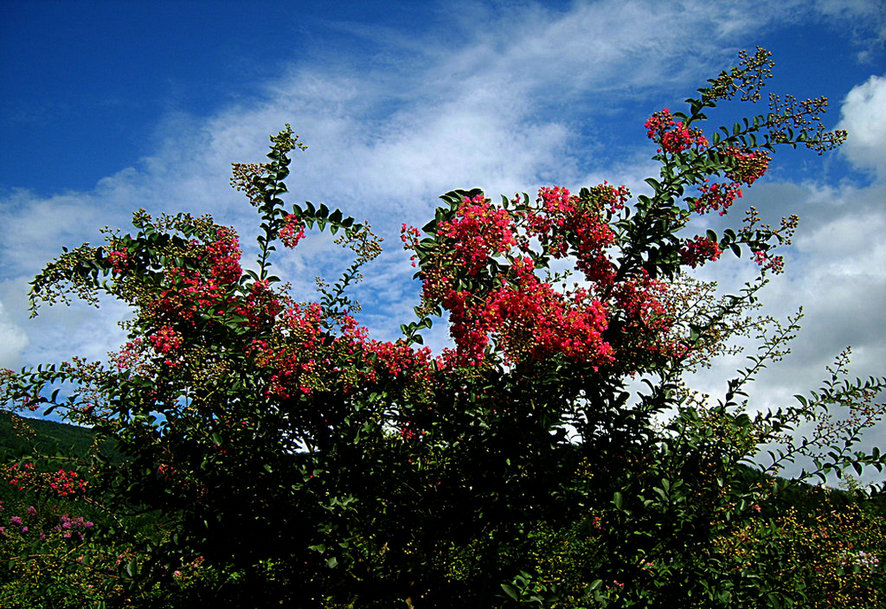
<point x="106" y="107"/>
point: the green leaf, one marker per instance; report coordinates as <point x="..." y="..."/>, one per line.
<point x="510" y="591"/>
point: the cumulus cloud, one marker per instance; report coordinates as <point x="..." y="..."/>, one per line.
<point x="863" y="116"/>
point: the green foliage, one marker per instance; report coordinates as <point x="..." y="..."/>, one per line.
<point x="19" y="438"/>
<point x="272" y="453"/>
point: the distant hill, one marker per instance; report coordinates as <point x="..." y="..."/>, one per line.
<point x="49" y="437"/>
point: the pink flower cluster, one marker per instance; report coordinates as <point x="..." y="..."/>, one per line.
<point x="673" y="135"/>
<point x="16" y="521"/>
<point x="73" y="528"/>
<point x="224" y="256"/>
<point x="119" y="260"/>
<point x="565" y="220"/>
<point x="717" y="197"/>
<point x="293" y="230"/>
<point x="699" y="250"/>
<point x="529" y="321"/>
<point x="166" y="339"/>
<point x="479" y="230"/>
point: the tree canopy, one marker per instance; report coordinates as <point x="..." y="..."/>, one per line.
<point x="271" y="452"/>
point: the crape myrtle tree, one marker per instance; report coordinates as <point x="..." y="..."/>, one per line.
<point x="269" y="452"/>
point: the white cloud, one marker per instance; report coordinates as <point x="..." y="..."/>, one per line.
<point x="836" y="270"/>
<point x="864" y="117"/>
<point x="865" y="19"/>
<point x="13" y="341"/>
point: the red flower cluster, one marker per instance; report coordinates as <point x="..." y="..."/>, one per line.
<point x="165" y="340"/>
<point x="647" y="321"/>
<point x="119" y="260"/>
<point x="769" y="263"/>
<point x="409" y="432"/>
<point x="21" y="478"/>
<point x="63" y="483"/>
<point x="224" y="256"/>
<point x="193" y="292"/>
<point x="695" y="252"/>
<point x="293" y="364"/>
<point x="67" y="483"/>
<point x="613" y="198"/>
<point x="525" y="317"/>
<point x="549" y="223"/>
<point x="189" y="295"/>
<point x="304" y="356"/>
<point x="673" y="135"/>
<point x="717" y="196"/>
<point x="479" y="230"/>
<point x="565" y="219"/>
<point x="261" y="305"/>
<point x="131" y="357"/>
<point x="466" y="328"/>
<point x="398" y="358"/>
<point x="293" y="230"/>
<point x="410" y="237"/>
<point x="529" y="321"/>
